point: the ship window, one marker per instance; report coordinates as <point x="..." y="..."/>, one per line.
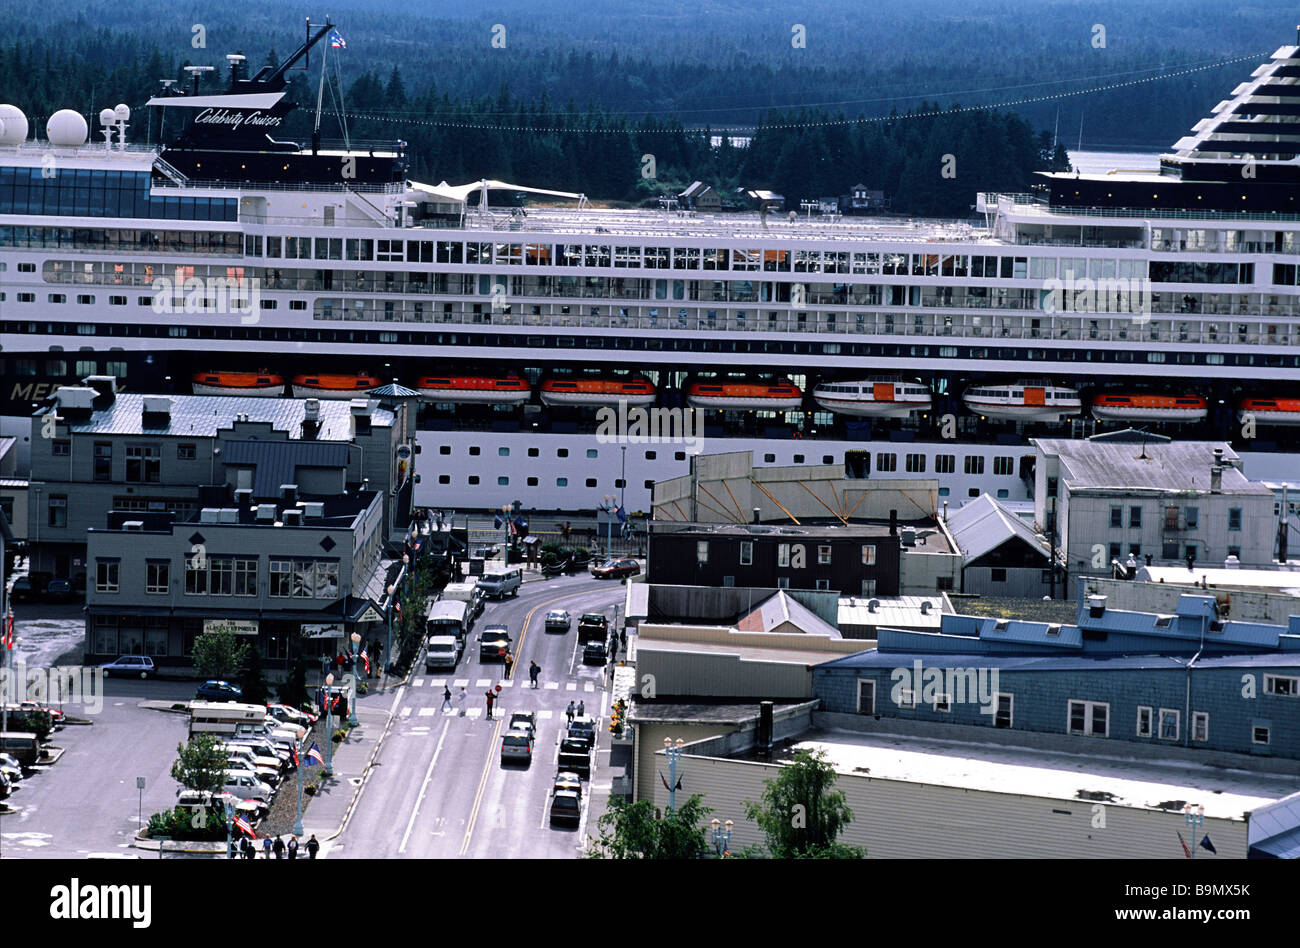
<point x="561" y="482"/>
<point x="974" y="464"/>
<point x="591" y="482"/>
<point x="473" y="480"/>
<point x="945" y="463"/>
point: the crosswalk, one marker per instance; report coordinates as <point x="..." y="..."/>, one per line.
<point x="469" y="713"/>
<point x="587" y="686"/>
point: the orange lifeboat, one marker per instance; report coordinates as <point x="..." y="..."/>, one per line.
<point x="1149" y="406"/>
<point x="334" y="385"/>
<point x="777" y="395"/>
<point x="597" y="390"/>
<point x="241" y="384"/>
<point x="1270" y="411"/>
<point x="506" y="389"/>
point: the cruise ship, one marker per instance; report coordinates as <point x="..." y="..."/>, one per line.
<point x="227" y="260"/>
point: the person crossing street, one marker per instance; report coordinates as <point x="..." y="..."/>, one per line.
<point x="568" y="712"/>
<point x="510" y="663"/>
<point x="460" y="700"/>
<point x="491" y="697"/>
<point x="446" y="698"/>
<point x="533" y="671"/>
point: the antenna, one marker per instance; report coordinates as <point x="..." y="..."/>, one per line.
<point x="195" y="72"/>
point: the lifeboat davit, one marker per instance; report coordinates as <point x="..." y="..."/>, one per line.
<point x="1270" y="411"/>
<point x="242" y="384"/>
<point x="334" y="386"/>
<point x="1023" y="401"/>
<point x="1149" y="406"/>
<point x="597" y="390"/>
<point x="779" y="395"/>
<point x="874" y="397"/>
<point x="508" y="389"/>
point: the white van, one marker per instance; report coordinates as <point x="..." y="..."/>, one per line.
<point x="442" y="651"/>
<point x="500" y="584"/>
<point x="448" y="617"/>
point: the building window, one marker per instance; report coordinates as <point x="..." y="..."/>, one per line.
<point x="905" y="698"/>
<point x="1283" y="685"/>
<point x="823" y="584"/>
<point x="1116" y="517"/>
<point x="998" y="575"/>
<point x="942" y="703"/>
<point x="868" y="554"/>
<point x="1234" y="551"/>
<point x="106" y="576"/>
<point x="157" y="577"/>
<point x="1169" y="550"/>
<point x="1192" y="517"/>
<point x="1234" y="518"/>
<point x="1169" y="724"/>
<point x="186" y="452"/>
<point x="943" y="584"/>
<point x="746" y="552"/>
<point x="196" y="576"/>
<point x="866" y="696"/>
<point x="1005" y="714"/>
<point x="868" y="588"/>
<point x="702" y="551"/>
<point x="281" y="578"/>
<point x="245" y="577"/>
<point x="1259" y="734"/>
<point x="1089" y="717"/>
<point x="58" y="510"/>
<point x="1116" y="549"/>
<point x="61" y="448"/>
<point x="1135" y="517"/>
<point x="783" y="582"/>
<point x="143" y="464"/>
<point x="1144" y="722"/>
<point x="1200" y="725"/>
<point x="823" y="555"/>
<point x="783" y="554"/>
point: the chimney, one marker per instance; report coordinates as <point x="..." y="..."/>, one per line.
<point x="764" y="737"/>
<point x="363" y="410"/>
<point x="756" y="513"/>
<point x="157" y="411"/>
<point x="105" y="387"/>
<point x="1216" y="472"/>
<point x="945" y="511"/>
<point x="893" y="523"/>
<point x="311" y="419"/>
<point x="1096" y="606"/>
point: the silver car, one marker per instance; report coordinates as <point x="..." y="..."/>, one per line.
<point x="517" y="745"/>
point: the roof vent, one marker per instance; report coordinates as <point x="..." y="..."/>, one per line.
<point x="289" y="493"/>
<point x="244" y="498"/>
<point x="873" y="605"/>
<point x="293" y="517"/>
<point x="311" y="409"/>
<point x="1054" y="629"/>
<point x="908" y="536"/>
<point x="266" y="513"/>
<point x="134" y="526"/>
<point x="313" y="510"/>
<point x="105" y="386"/>
<point x="75" y="401"/>
<point x="1096" y="606"/>
<point x="228" y="515"/>
<point x="1232" y="562"/>
<point x="210" y="515"/>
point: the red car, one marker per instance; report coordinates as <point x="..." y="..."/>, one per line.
<point x="616" y="569"/>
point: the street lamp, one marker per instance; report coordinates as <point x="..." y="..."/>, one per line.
<point x="622" y="491"/>
<point x="388" y="646"/>
<point x="352" y="705"/>
<point x="230" y="818"/>
<point x="722" y="835"/>
<point x="1194" y="816"/>
<point x="329" y="728"/>
<point x="673" y="751"/>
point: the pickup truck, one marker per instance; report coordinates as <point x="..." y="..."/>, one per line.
<point x="593" y="625"/>
<point x="575" y="756"/>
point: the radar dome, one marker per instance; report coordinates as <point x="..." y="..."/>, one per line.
<point x="106" y="117"/>
<point x="67" y="129"/>
<point x="122" y="112"/>
<point x="15" y="125"/>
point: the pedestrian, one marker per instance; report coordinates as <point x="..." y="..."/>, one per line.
<point x="293" y="847"/>
<point x="460" y="699"/>
<point x="374" y="658"/>
<point x="582" y="709"/>
<point x="278" y="848"/>
<point x="313" y="847"/>
<point x="266" y="847"/>
<point x="569" y="712"/>
<point x="324" y="666"/>
<point x="244" y="847"/>
<point x="343" y="707"/>
<point x="446" y="698"/>
<point x="490" y="698"/>
<point x="622" y="639"/>
<point x="533" y="671"/>
<point x="510" y="663"/>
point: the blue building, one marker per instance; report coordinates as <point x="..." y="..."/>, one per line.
<point x="1190" y="680"/>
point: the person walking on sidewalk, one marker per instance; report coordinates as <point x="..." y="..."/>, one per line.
<point x="460" y="699"/>
<point x="266" y="847"/>
<point x="582" y="709"/>
<point x="446" y="698"/>
<point x="278" y="848"/>
<point x="568" y="712"/>
<point x="293" y="847"/>
<point x="533" y="671"/>
<point x="313" y="847"/>
<point x="491" y="697"/>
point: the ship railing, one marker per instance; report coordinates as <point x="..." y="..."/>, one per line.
<point x="390" y="187"/>
<point x="1146" y="213"/>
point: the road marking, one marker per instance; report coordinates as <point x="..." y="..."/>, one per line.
<point x="482" y="785"/>
<point x="571" y="686"/>
<point x="545" y="715"/>
<point x="426" y="712"/>
<point x="406" y="712"/>
<point x="462" y="682"/>
<point x="507" y="683"/>
<point x="474" y="713"/>
<point x="438" y="683"/>
<point x="428" y="774"/>
<point x="551" y="685"/>
<point x="417" y="683"/>
<point x="590" y="687"/>
<point x="483" y="683"/>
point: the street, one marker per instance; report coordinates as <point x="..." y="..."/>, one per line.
<point x="438" y="788"/>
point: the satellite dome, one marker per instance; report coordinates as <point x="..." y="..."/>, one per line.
<point x="105" y="116"/>
<point x="122" y="112"/>
<point x="15" y="125"/>
<point x="67" y="129"/>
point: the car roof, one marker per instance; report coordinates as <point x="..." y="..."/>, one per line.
<point x="568" y="795"/>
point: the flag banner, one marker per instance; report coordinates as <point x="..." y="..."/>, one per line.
<point x="1206" y="844"/>
<point x="244" y="827"/>
<point x="314" y="756"/>
<point x="337" y="41"/>
<point x="1186" y="852"/>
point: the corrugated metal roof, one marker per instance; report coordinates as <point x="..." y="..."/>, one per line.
<point x="203" y="416"/>
<point x="891" y="611"/>
<point x="874" y="658"/>
<point x="984" y="525"/>
<point x="1280" y="580"/>
<point x="1175" y="466"/>
<point x="746" y="653"/>
<point x="277" y="462"/>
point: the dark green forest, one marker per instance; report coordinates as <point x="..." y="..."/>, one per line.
<point x="578" y="94"/>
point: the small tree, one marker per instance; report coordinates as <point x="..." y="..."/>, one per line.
<point x="632" y="831"/>
<point x="801" y="815"/>
<point x="218" y="654"/>
<point x="40" y="723"/>
<point x="200" y="764"/>
<point x="252" y="679"/>
<point x="293" y="691"/>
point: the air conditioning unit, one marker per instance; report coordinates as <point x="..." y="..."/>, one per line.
<point x="293" y="517"/>
<point x="210" y="515"/>
<point x="134" y="526"/>
<point x="228" y="515"/>
<point x="265" y="513"/>
<point x="313" y="510"/>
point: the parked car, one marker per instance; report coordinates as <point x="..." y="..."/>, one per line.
<point x="568" y="780"/>
<point x="273" y="722"/>
<point x="291" y="715"/>
<point x="616" y="569"/>
<point x="266" y="748"/>
<point x="59" y="590"/>
<point x="238" y="763"/>
<point x="517" y="745"/>
<point x="216" y="802"/>
<point x="136" y="666"/>
<point x="6" y="787"/>
<point x="10" y="762"/>
<point x="245" y="785"/>
<point x="575" y="756"/>
<point x="213" y="690"/>
<point x="595" y="652"/>
<point x="558" y="620"/>
<point x="592" y="625"/>
<point x="24" y="590"/>
<point x="12" y="771"/>
<point x="494" y="644"/>
<point x="523" y="721"/>
<point x="583" y="729"/>
<point x="566" y="807"/>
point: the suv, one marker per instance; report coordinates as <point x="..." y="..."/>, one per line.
<point x="616" y="569"/>
<point x="592" y="625"/>
<point x="218" y="691"/>
<point x="501" y="584"/>
<point x="566" y="807"/>
<point x="595" y="652"/>
<point x="517" y="745"/>
<point x="494" y="644"/>
<point x="583" y="729"/>
<point x="575" y="756"/>
<point x="137" y="666"/>
<point x="522" y="721"/>
<point x="557" y="620"/>
<point x="59" y="590"/>
<point x="24" y="590"/>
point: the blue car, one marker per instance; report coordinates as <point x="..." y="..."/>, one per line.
<point x="218" y="691"/>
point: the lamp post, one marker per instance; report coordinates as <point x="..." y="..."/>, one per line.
<point x="388" y="645"/>
<point x="230" y="817"/>
<point x="608" y="508"/>
<point x="721" y="835"/>
<point x="622" y="491"/>
<point x="1194" y="816"/>
<point x="673" y="751"/>
<point x="352" y="704"/>
<point x="329" y="728"/>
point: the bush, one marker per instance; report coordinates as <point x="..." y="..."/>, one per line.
<point x="180" y="824"/>
<point x="363" y="688"/>
<point x="39" y="723"/>
<point x="340" y="735"/>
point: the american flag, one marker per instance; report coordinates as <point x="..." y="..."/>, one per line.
<point x="314" y="755"/>
<point x="9" y="630"/>
<point x="366" y="658"/>
<point x="337" y="41"/>
<point x="244" y="827"/>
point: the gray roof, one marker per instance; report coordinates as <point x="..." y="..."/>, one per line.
<point x="277" y="462"/>
<point x="782" y="608"/>
<point x="1176" y="466"/>
<point x="202" y="416"/>
<point x="984" y="525"/>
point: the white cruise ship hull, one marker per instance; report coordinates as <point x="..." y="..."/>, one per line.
<point x="1022" y="412"/>
<point x="268" y="391"/>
